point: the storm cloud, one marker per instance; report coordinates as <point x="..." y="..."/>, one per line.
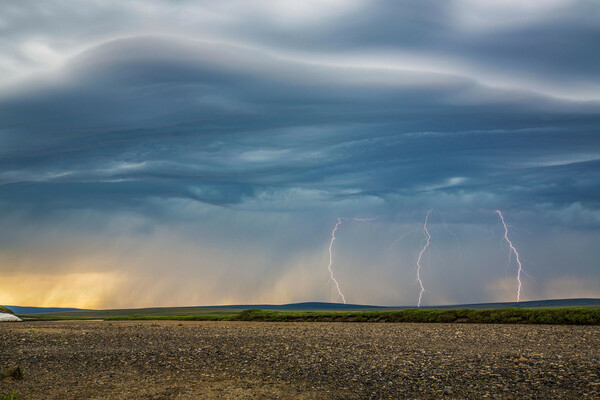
<point x="199" y="153"/>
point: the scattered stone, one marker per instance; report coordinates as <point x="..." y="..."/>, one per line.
<point x="213" y="360"/>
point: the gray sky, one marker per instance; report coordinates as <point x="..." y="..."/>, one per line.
<point x="191" y="153"/>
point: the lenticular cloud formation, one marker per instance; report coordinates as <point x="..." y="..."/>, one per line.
<point x="193" y="151"/>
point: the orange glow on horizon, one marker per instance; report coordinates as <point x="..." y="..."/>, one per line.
<point x="79" y="290"/>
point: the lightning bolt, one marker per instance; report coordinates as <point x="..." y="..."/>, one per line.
<point x="331" y="277"/>
<point x="337" y="285"/>
<point x="512" y="250"/>
<point x="428" y="240"/>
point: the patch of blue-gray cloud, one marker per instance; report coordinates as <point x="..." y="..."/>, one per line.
<point x="186" y="118"/>
<point x="520" y="44"/>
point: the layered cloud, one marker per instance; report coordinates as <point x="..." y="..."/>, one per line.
<point x="231" y="136"/>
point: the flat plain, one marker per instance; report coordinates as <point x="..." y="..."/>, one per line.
<point x="298" y="360"/>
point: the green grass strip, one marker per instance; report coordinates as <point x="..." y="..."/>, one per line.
<point x="556" y="316"/>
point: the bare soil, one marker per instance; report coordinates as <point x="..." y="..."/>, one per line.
<point x="258" y="360"/>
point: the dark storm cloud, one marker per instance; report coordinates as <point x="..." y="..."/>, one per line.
<point x="539" y="47"/>
<point x="519" y="44"/>
<point x="242" y="133"/>
<point x="167" y="117"/>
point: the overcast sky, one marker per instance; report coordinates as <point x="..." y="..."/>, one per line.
<point x="195" y="153"/>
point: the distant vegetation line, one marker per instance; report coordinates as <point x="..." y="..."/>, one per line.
<point x="559" y="316"/>
<point x="294" y="307"/>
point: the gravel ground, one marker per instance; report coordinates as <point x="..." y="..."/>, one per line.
<point x="220" y="360"/>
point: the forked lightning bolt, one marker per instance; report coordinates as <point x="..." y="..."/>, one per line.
<point x="337" y="285"/>
<point x="512" y="250"/>
<point x="338" y="223"/>
<point x="428" y="240"/>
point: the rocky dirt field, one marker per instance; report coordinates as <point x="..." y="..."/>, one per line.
<point x="258" y="360"/>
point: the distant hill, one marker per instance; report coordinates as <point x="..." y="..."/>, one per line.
<point x="39" y="310"/>
<point x="318" y="306"/>
<point x="527" y="304"/>
<point x="301" y="306"/>
<point x="307" y="306"/>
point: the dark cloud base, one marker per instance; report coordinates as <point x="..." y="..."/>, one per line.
<point x="249" y="155"/>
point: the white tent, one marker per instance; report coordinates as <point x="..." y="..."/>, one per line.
<point x="4" y="317"/>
